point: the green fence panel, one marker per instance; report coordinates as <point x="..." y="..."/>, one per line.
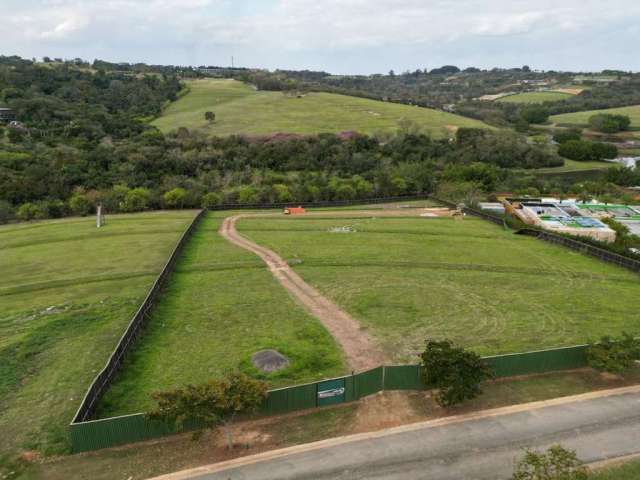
<point x="93" y="435"/>
<point x="403" y="377"/>
<point x="538" y="362"/>
<point x="96" y="434"/>
<point x="368" y="383"/>
<point x="290" y="399"/>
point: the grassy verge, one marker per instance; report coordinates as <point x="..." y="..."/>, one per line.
<point x="240" y="109"/>
<point x="406" y="279"/>
<point x="629" y="471"/>
<point x="67" y="291"/>
<point x="222" y="305"/>
<point x="141" y="461"/>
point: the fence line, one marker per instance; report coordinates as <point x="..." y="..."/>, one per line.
<point x="574" y="244"/>
<point x="108" y="432"/>
<point x="320" y="204"/>
<point x="133" y="330"/>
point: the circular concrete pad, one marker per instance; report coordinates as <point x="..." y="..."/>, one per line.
<point x="269" y="360"/>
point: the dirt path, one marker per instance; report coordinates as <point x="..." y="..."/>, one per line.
<point x="360" y="350"/>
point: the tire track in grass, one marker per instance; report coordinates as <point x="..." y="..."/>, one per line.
<point x="360" y="350"/>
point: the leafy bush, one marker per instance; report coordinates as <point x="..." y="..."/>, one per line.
<point x="175" y="198"/>
<point x="562" y="136"/>
<point x="214" y="403"/>
<point x="583" y="150"/>
<point x="614" y="355"/>
<point x="455" y="372"/>
<point x="608" y="123"/>
<point x="211" y="199"/>
<point x="534" y="113"/>
<point x="556" y="463"/>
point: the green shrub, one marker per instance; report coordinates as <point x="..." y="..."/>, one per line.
<point x="455" y="372"/>
<point x="7" y="212"/>
<point x="608" y="123"/>
<point x="614" y="355"/>
<point x="211" y="199"/>
<point x="557" y="463"/>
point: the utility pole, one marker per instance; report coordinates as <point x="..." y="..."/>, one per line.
<point x="232" y="66"/>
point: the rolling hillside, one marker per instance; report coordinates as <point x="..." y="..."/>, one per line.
<point x="582" y="118"/>
<point x="241" y="109"/>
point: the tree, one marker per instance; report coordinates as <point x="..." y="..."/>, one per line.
<point x="211" y="199"/>
<point x="209" y="116"/>
<point x="608" y="123"/>
<point x="535" y="113"/>
<point x="455" y="372"/>
<point x="27" y="211"/>
<point x="175" y="198"/>
<point x="614" y="355"/>
<point x="80" y="204"/>
<point x="556" y="463"/>
<point x="562" y="136"/>
<point x="136" y="199"/>
<point x="214" y="403"/>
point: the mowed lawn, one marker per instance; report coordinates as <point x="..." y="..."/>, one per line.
<point x="221" y="306"/>
<point x="408" y="279"/>
<point x="67" y="292"/>
<point x="582" y="118"/>
<point x="240" y="109"/>
<point x="535" y="97"/>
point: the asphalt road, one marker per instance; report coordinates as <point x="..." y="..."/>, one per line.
<point x="477" y="449"/>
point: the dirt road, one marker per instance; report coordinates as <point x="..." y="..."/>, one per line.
<point x="360" y="351"/>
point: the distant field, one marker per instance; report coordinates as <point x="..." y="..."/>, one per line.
<point x="240" y="109"/>
<point x="67" y="291"/>
<point x="222" y="305"/>
<point x="535" y="97"/>
<point x="582" y="118"/>
<point x="575" y="166"/>
<point x="406" y="279"/>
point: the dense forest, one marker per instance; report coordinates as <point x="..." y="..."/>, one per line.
<point x="83" y="139"/>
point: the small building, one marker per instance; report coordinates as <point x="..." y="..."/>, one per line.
<point x="7" y="115"/>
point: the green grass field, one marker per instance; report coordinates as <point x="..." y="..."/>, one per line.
<point x="67" y="292"/>
<point x="240" y="109"/>
<point x="535" y="97"/>
<point x="406" y="279"/>
<point x="582" y="118"/>
<point x="575" y="166"/>
<point x="222" y="306"/>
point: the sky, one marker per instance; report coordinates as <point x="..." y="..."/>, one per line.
<point x="338" y="36"/>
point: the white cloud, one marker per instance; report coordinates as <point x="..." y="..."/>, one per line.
<point x="285" y="29"/>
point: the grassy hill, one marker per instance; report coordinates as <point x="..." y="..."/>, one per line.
<point x="67" y="292"/>
<point x="241" y="109"/>
<point x="582" y="118"/>
<point x="535" y="97"/>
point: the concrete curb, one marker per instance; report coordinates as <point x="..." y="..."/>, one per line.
<point x="332" y="442"/>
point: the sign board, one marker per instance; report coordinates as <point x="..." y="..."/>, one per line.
<point x="331" y="392"/>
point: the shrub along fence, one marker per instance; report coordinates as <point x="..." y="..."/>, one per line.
<point x="108" y="432"/>
<point x="133" y="330"/>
